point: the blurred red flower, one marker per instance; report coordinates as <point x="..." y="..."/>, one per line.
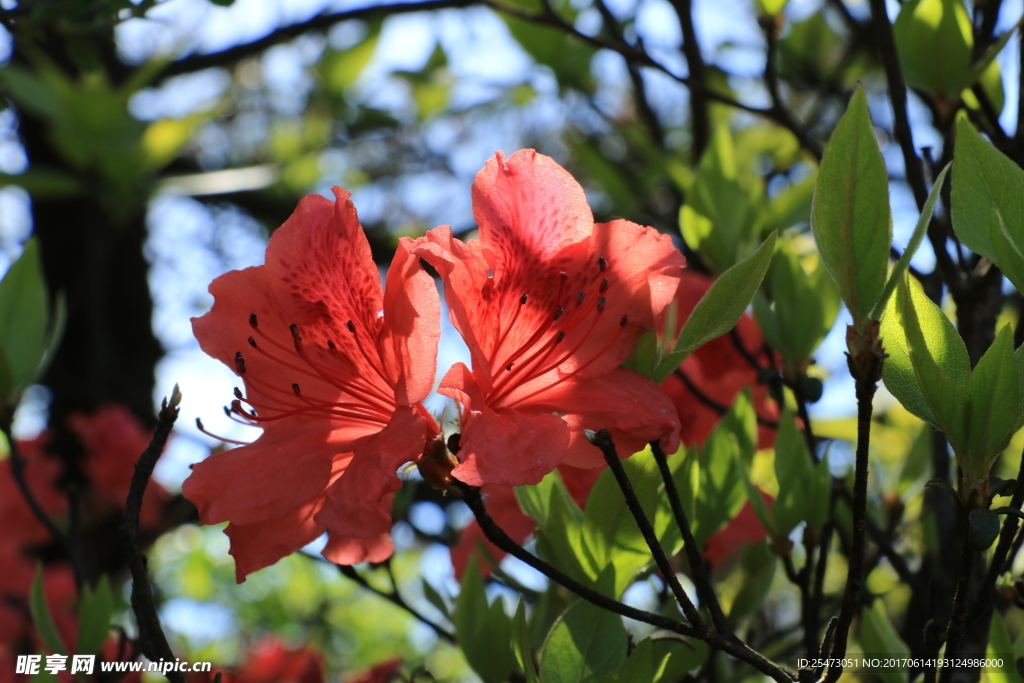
<point x="334" y="384"/>
<point x="718" y="371"/>
<point x="271" y="662"/>
<point x="382" y="673"/>
<point x="550" y="304"/>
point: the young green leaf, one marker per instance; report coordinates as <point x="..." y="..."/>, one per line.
<point x="721" y="307"/>
<point x="640" y="666"/>
<point x="877" y="635"/>
<point x="94" y="612"/>
<point x="585" y="644"/>
<point x="942" y="340"/>
<point x="988" y="211"/>
<point x="41" y="616"/>
<point x="521" y="644"/>
<point x="850" y="216"/>
<point x="926" y="28"/>
<point x="24" y="314"/>
<point x="997" y="401"/>
<point x="484" y="631"/>
<point x="915" y="241"/>
<point x="946" y="395"/>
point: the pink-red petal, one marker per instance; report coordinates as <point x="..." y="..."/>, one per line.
<point x="357" y="504"/>
<point x="343" y="550"/>
<point x="261" y="544"/>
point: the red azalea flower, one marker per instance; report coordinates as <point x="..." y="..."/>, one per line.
<point x="503" y="507"/>
<point x="382" y="673"/>
<point x="716" y="372"/>
<point x="742" y="529"/>
<point x="334" y="384"/>
<point x="271" y="662"/>
<point x="550" y="304"/>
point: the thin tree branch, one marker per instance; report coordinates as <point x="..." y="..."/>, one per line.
<point x="1006" y="536"/>
<point x="394" y="598"/>
<point x="700" y="573"/>
<point x="496" y="535"/>
<point x="18" y="464"/>
<point x="700" y="118"/>
<point x="719" y="408"/>
<point x="865" y="362"/>
<point x="961" y="601"/>
<point x="738" y="649"/>
<point x="320" y="22"/>
<point x="152" y="640"/>
<point x="904" y="134"/>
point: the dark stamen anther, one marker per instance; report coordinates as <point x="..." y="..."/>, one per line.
<point x="238" y="392"/>
<point x="563" y="276"/>
<point x="522" y="299"/>
<point x="236" y="407"/>
<point x="295" y="332"/>
<point x="199" y="424"/>
<point x="253" y="321"/>
<point x="351" y="326"/>
<point x="252" y="342"/>
<point x="558" y="313"/>
<point x="623" y="321"/>
<point x="330" y="345"/>
<point x="239" y="363"/>
<point x="604" y="286"/>
<point x="580" y="296"/>
<point x="296" y="389"/>
<point x="601" y="301"/>
<point x="602" y="263"/>
<point x="227" y="412"/>
<point x="559" y="337"/>
<point x="508" y="368"/>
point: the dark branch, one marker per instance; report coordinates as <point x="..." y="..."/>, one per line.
<point x="496" y="535"/>
<point x="152" y="640"/>
<point x="394" y="598"/>
<point x="320" y="22"/>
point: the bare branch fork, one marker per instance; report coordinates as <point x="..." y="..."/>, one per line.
<point x="726" y="642"/>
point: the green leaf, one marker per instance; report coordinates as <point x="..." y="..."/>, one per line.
<point x="341" y="68"/>
<point x="45" y="183"/>
<point x="484" y="632"/>
<point x="804" y="305"/>
<point x="435" y="599"/>
<point x="721" y="307"/>
<point x="795" y="474"/>
<point x="42" y="618"/>
<point x="94" y="612"/>
<point x="24" y="313"/>
<point x="757" y="570"/>
<point x="720" y="218"/>
<point x="521" y="644"/>
<point x="641" y="665"/>
<point x="559" y="522"/>
<point x="988" y="202"/>
<point x="997" y="402"/>
<point x="850" y="215"/>
<point x="915" y="241"/>
<point x="1000" y="647"/>
<point x="585" y="644"/>
<point x="944" y="387"/>
<point x="941" y="338"/>
<point x="927" y="28"/>
<point x="878" y="637"/>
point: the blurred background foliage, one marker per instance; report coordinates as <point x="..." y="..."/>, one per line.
<point x="151" y="146"/>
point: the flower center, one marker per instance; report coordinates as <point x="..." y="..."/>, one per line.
<point x="575" y="315"/>
<point x="267" y="402"/>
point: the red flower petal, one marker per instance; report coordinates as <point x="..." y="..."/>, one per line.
<point x="354" y="505"/>
<point x="261" y="544"/>
<point x="342" y="550"/>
